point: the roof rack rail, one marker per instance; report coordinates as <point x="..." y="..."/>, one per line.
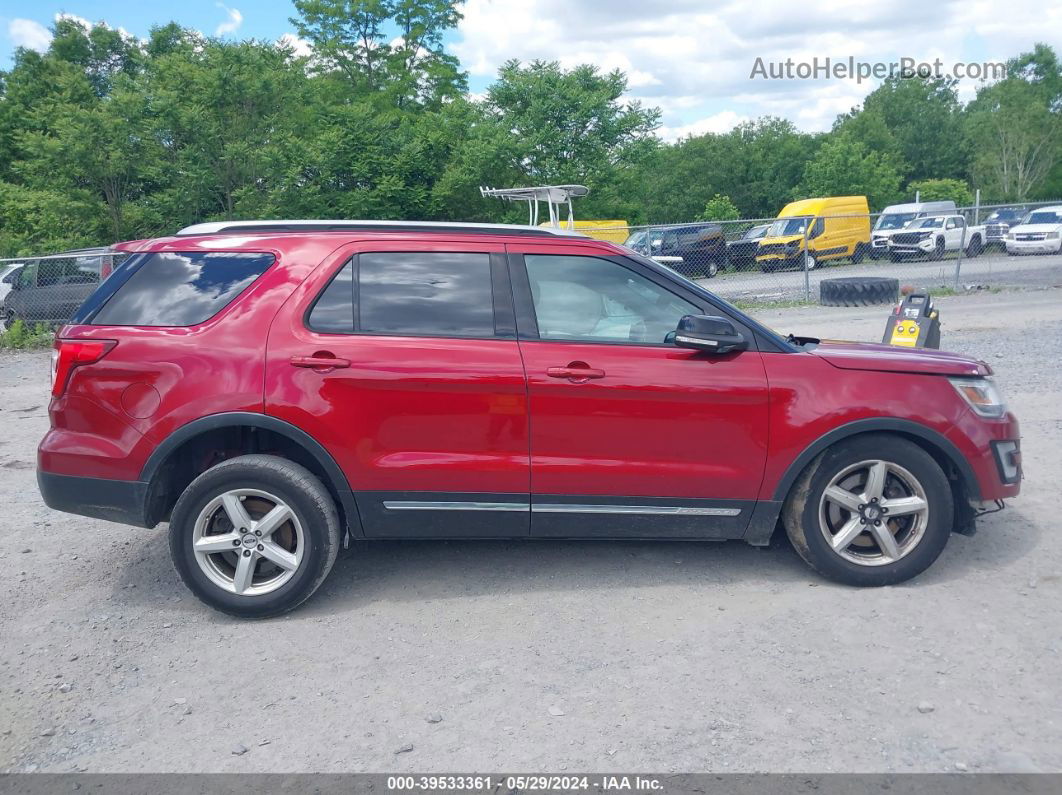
<point x="234" y="227"/>
<point x="554" y="195"/>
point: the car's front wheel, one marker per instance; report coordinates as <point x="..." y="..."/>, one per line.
<point x="254" y="536"/>
<point x="874" y="510"/>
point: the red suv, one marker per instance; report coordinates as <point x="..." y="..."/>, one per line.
<point x="275" y="389"/>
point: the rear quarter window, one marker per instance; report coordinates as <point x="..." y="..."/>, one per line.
<point x="180" y="288"/>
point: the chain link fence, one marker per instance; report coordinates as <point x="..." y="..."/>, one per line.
<point x="752" y="261"/>
<point x="770" y="260"/>
<point x="40" y="293"/>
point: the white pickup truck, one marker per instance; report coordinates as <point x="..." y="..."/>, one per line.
<point x="933" y="236"/>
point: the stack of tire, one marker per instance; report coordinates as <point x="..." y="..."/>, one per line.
<point x="859" y="291"/>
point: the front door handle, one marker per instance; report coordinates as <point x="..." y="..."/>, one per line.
<point x="576" y="372"/>
<point x="322" y="360"/>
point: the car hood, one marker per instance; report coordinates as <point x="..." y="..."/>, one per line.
<point x="784" y="239"/>
<point x="888" y="358"/>
<point x="1035" y="228"/>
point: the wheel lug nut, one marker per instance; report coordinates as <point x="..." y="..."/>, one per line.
<point x="258" y="532"/>
<point x="877" y="523"/>
<point x="247" y="553"/>
<point x="862" y="506"/>
<point x="862" y="521"/>
<point x="260" y="547"/>
<point x="235" y="542"/>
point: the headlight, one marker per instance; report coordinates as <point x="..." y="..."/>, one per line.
<point x="1052" y="236"/>
<point x="1009" y="236"/>
<point x="982" y="395"/>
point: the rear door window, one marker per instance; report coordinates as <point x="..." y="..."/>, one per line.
<point x="434" y="294"/>
<point x="179" y="288"/>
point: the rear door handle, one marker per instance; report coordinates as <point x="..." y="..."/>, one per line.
<point x="576" y="372"/>
<point x="319" y="361"/>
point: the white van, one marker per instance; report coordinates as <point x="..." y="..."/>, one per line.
<point x="897" y="216"/>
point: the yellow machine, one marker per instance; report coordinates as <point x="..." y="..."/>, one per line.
<point x="837" y="227"/>
<point x="915" y="323"/>
<point x="616" y="231"/>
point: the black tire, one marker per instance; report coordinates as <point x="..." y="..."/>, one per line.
<point x="308" y="499"/>
<point x="975" y="248"/>
<point x="895" y="256"/>
<point x="800" y="513"/>
<point x="9" y="319"/>
<point x="765" y="268"/>
<point x="858" y="254"/>
<point x="938" y="250"/>
<point x="859" y="291"/>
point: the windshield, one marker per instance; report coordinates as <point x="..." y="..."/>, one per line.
<point x="894" y="220"/>
<point x="1006" y="216"/>
<point x="636" y="240"/>
<point x="928" y="223"/>
<point x="756" y="232"/>
<point x="787" y="226"/>
<point x="1043" y="217"/>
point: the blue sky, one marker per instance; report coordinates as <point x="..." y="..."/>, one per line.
<point x="691" y="58"/>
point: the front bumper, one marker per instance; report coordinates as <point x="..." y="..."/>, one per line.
<point x="921" y="247"/>
<point x="1034" y="246"/>
<point x="122" y="501"/>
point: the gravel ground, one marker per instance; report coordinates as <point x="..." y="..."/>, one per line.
<point x="549" y="656"/>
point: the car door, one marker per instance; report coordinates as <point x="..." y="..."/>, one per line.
<point x="953" y="233"/>
<point x="21" y="303"/>
<point x="630" y="435"/>
<point x="79" y="278"/>
<point x="400" y="358"/>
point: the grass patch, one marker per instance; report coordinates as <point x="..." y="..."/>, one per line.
<point x="22" y="337"/>
<point x="747" y="305"/>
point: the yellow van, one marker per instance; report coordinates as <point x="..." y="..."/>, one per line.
<point x="839" y="229"/>
<point x="612" y="231"/>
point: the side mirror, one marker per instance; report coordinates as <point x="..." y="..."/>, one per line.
<point x="710" y="334"/>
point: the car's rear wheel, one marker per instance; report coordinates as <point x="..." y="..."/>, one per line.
<point x="875" y="510"/>
<point x="9" y="318"/>
<point x="254" y="536"/>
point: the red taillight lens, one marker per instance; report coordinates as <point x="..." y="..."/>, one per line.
<point x="69" y="354"/>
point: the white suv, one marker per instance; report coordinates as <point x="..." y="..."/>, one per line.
<point x="1039" y="233"/>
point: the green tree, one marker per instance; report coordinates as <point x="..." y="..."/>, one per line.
<point x="719" y="208"/>
<point x="219" y="117"/>
<point x="351" y="36"/>
<point x="917" y="122"/>
<point x="565" y="126"/>
<point x="1015" y="127"/>
<point x="845" y="167"/>
<point x="932" y="190"/>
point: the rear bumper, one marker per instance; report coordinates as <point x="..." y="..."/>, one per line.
<point x="122" y="501"/>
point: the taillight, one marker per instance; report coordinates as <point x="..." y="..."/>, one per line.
<point x="69" y="354"/>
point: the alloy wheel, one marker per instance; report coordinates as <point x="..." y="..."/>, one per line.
<point x="873" y="513"/>
<point x="248" y="542"/>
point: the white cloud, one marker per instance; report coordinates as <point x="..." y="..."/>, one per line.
<point x="230" y="25"/>
<point x="75" y="18"/>
<point x="693" y="59"/>
<point x="719" y="122"/>
<point x="29" y="34"/>
<point x="300" y="47"/>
